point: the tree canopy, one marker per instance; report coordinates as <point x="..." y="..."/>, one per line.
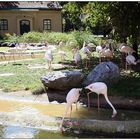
<point x="120" y="20"/>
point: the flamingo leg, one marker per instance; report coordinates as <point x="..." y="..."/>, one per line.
<point x="98" y="103"/>
<point x="70" y="111"/>
<point x="66" y="111"/>
<point x="76" y="106"/>
<point x="88" y="102"/>
<point x="126" y="65"/>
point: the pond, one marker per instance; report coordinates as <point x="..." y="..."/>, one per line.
<point x="16" y="123"/>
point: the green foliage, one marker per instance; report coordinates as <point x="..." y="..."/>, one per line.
<point x="71" y="40"/>
<point x="71" y="13"/>
<point x="11" y="38"/>
<point x="55" y="37"/>
<point x="31" y="37"/>
<point x="95" y="13"/>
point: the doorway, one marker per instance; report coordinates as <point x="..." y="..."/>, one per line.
<point x="24" y="26"/>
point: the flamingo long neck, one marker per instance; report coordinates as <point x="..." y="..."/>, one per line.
<point x="106" y="97"/>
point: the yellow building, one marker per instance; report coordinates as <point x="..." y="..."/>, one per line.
<point x="24" y="16"/>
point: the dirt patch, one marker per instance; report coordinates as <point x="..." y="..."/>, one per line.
<point x="38" y="66"/>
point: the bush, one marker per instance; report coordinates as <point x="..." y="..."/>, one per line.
<point x="11" y="38"/>
<point x="71" y="39"/>
<point x="31" y="37"/>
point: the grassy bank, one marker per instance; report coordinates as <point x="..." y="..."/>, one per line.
<point x="29" y="79"/>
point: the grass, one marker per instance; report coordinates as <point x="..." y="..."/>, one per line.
<point x="23" y="79"/>
<point x="29" y="79"/>
<point x="4" y="49"/>
<point x="128" y="86"/>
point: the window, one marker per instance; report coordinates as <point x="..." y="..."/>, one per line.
<point x="3" y="24"/>
<point x="46" y="24"/>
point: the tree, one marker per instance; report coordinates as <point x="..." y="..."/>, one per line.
<point x="97" y="17"/>
<point x="121" y="19"/>
<point x="71" y="14"/>
<point x="124" y="17"/>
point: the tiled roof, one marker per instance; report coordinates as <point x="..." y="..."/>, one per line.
<point x="29" y="5"/>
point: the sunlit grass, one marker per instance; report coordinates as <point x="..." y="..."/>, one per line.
<point x="4" y="49"/>
<point x="29" y="79"/>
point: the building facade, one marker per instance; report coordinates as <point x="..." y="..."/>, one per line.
<point x="25" y="16"/>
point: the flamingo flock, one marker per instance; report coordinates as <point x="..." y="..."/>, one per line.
<point x="99" y="88"/>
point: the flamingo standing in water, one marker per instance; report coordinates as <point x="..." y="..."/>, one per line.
<point x="72" y="97"/>
<point x="100" y="88"/>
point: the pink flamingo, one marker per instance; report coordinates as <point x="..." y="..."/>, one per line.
<point x="72" y="97"/>
<point x="100" y="88"/>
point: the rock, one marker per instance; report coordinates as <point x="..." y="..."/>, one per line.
<point x="63" y="80"/>
<point x="106" y="72"/>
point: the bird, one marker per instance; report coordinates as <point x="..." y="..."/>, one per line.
<point x="100" y="88"/>
<point x="62" y="55"/>
<point x="61" y="45"/>
<point x="72" y="97"/>
<point x="76" y="56"/>
<point x="87" y="52"/>
<point x="130" y="60"/>
<point x="49" y="57"/>
<point x="98" y="49"/>
<point x="125" y="50"/>
<point x="106" y="53"/>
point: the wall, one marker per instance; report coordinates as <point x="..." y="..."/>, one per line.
<point x="34" y="16"/>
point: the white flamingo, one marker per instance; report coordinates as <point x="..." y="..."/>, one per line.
<point x="100" y="88"/>
<point x="49" y="58"/>
<point x="87" y="52"/>
<point x="98" y="49"/>
<point x="76" y="56"/>
<point x="72" y="97"/>
<point x="130" y="60"/>
<point x="125" y="50"/>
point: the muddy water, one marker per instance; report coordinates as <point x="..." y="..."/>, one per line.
<point x="57" y="110"/>
<point x="33" y="109"/>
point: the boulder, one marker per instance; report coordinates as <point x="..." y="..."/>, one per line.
<point x="63" y="80"/>
<point x="106" y="72"/>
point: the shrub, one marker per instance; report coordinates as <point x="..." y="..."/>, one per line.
<point x="71" y="39"/>
<point x="31" y="37"/>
